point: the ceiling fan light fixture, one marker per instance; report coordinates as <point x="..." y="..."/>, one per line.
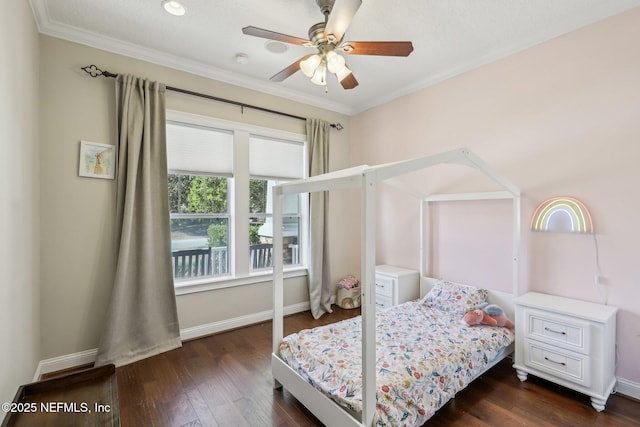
<point x="173" y="7"/>
<point x="320" y="75"/>
<point x="310" y="65"/>
<point x="335" y="62"/>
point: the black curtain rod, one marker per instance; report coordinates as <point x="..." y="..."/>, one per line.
<point x="94" y="71"/>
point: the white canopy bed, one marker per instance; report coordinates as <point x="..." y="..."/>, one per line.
<point x="367" y="178"/>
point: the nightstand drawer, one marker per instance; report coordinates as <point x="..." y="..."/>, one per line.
<point x="558" y="330"/>
<point x="384" y="286"/>
<point x="570" y="366"/>
<point x="383" y="302"/>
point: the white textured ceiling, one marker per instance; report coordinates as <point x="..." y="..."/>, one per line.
<point x="449" y="37"/>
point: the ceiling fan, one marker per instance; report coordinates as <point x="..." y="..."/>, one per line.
<point x="327" y="38"/>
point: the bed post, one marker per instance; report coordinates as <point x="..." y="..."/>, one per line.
<point x="424" y="240"/>
<point x="368" y="261"/>
<point x="516" y="244"/>
<point x="278" y="277"/>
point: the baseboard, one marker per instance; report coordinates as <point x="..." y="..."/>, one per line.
<point x="237" y="322"/>
<point x="87" y="357"/>
<point x="628" y="388"/>
<point x="68" y="361"/>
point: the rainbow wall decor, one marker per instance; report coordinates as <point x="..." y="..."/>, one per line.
<point x="562" y="214"/>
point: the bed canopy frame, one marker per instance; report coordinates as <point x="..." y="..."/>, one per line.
<point x="367" y="178"/>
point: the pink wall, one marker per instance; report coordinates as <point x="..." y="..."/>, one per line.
<point x="561" y="118"/>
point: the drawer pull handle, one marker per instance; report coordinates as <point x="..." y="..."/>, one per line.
<point x="553" y="361"/>
<point x="379" y="285"/>
<point x="555" y="332"/>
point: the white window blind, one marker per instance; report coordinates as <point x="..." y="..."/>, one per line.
<point x="275" y="158"/>
<point x="199" y="150"/>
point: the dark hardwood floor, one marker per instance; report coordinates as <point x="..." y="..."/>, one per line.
<point x="225" y="380"/>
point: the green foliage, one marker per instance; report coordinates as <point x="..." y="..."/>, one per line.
<point x="254" y="237"/>
<point x="179" y="187"/>
<point x="217" y="235"/>
<point x="207" y="195"/>
<point x="257" y="195"/>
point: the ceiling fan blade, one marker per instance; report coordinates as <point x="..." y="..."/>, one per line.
<point x="272" y="35"/>
<point x="378" y="48"/>
<point x="349" y="82"/>
<point x="290" y="70"/>
<point x="340" y="18"/>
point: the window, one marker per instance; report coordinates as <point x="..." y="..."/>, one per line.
<point x="220" y="200"/>
<point x="272" y="161"/>
<point x="199" y="199"/>
<point x="199" y="225"/>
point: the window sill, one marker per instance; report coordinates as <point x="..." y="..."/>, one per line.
<point x="209" y="284"/>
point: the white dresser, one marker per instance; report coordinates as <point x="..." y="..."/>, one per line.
<point x="568" y="342"/>
<point x="395" y="285"/>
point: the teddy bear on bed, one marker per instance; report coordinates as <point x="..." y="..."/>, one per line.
<point x="490" y="314"/>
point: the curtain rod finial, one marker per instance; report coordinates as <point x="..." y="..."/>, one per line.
<point x="337" y="126"/>
<point x="94" y="71"/>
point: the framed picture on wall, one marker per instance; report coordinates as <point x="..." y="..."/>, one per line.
<point x="97" y="160"/>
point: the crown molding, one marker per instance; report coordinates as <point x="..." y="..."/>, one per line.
<point x="53" y="29"/>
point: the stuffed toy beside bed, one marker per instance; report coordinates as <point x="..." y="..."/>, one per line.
<point x="491" y="315"/>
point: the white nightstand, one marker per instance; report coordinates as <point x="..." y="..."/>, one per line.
<point x="568" y="342"/>
<point x="395" y="285"/>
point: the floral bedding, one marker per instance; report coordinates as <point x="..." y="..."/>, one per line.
<point x="424" y="356"/>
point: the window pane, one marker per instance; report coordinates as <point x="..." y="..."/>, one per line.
<point x="291" y="204"/>
<point x="291" y="234"/>
<point x="261" y="243"/>
<point x="197" y="194"/>
<point x="261" y="225"/>
<point x="199" y="225"/>
<point x="199" y="247"/>
<point x="258" y="189"/>
<point x="260" y="198"/>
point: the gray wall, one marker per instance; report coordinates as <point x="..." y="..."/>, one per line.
<point x="19" y="216"/>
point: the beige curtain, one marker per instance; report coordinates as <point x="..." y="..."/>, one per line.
<point x="142" y="319"/>
<point x="319" y="277"/>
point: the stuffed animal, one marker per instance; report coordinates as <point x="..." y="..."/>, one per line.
<point x="491" y="315"/>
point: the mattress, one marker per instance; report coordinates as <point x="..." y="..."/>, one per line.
<point x="424" y="357"/>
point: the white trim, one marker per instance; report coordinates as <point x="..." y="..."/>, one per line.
<point x="87" y="357"/>
<point x="237" y="322"/>
<point x="228" y="281"/>
<point x="627" y="388"/>
<point x="67" y="361"/>
<point x="193" y="119"/>
<point x="453" y="197"/>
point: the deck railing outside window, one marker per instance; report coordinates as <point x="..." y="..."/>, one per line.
<point x="191" y="263"/>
